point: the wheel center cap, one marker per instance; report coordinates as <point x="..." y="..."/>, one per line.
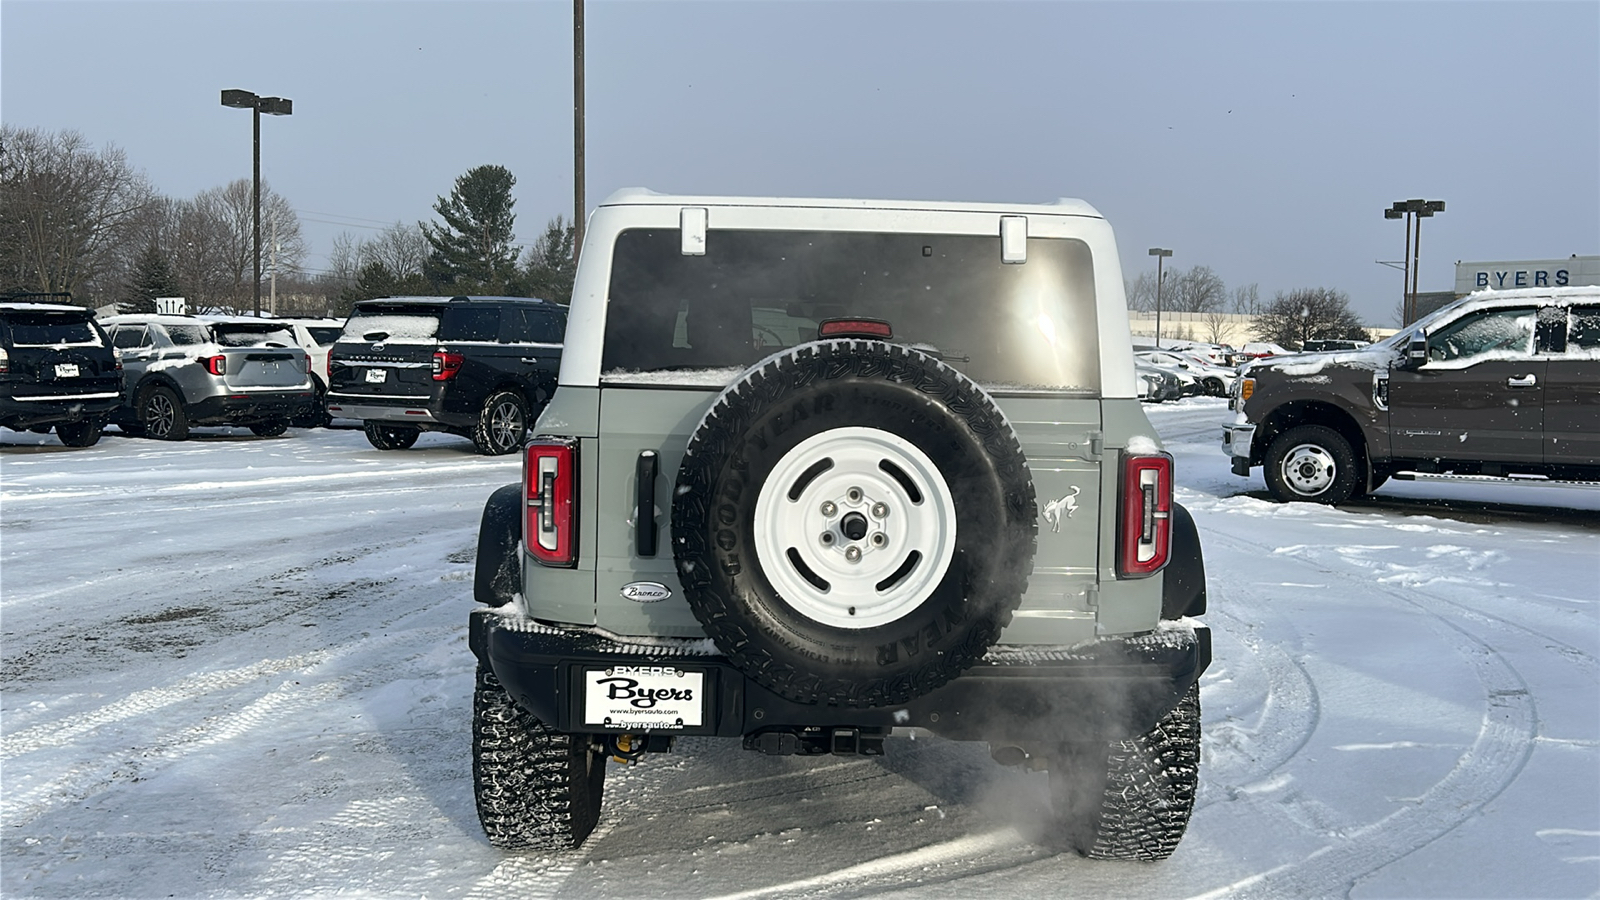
<point x="854" y="526"/>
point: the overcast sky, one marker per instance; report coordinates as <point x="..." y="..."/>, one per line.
<point x="1261" y="139"/>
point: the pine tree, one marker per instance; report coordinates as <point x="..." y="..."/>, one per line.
<point x="548" y="266"/>
<point x="472" y="250"/>
<point x="152" y="277"/>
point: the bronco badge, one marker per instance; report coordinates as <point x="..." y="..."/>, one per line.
<point x="646" y="591"/>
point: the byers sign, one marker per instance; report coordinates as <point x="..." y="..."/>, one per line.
<point x="1530" y="273"/>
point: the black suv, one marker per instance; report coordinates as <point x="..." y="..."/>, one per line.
<point x="480" y="367"/>
<point x="57" y="370"/>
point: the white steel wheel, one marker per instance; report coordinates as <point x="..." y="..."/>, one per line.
<point x="1309" y="469"/>
<point x="855" y="527"/>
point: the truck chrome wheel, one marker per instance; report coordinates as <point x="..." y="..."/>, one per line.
<point x="855" y="527"/>
<point x="1309" y="470"/>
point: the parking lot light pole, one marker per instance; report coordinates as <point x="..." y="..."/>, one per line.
<point x="1418" y="210"/>
<point x="272" y="106"/>
<point x="1161" y="255"/>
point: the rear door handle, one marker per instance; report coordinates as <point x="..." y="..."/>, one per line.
<point x="1522" y="381"/>
<point x="531" y="360"/>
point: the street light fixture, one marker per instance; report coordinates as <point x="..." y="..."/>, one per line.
<point x="1409" y="209"/>
<point x="1161" y="255"/>
<point x="272" y="106"/>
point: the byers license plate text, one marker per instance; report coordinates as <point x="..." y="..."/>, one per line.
<point x="645" y="697"/>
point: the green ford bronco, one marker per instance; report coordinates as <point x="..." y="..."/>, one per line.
<point x="819" y="472"/>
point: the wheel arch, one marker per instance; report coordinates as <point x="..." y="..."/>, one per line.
<point x="1311" y="412"/>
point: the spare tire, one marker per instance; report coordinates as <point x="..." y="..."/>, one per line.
<point x="853" y="523"/>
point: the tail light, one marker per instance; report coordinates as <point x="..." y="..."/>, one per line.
<point x="446" y="364"/>
<point x="1144" y="526"/>
<point x="216" y="365"/>
<point x="550" y="490"/>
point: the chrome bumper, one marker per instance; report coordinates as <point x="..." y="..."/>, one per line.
<point x="1236" y="439"/>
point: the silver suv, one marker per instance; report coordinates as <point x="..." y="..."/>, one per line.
<point x="183" y="371"/>
<point x="822" y="471"/>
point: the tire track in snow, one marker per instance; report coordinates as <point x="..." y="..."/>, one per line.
<point x="1501" y="749"/>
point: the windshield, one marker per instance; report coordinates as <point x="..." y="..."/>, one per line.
<point x="379" y="323"/>
<point x="51" y="330"/>
<point x="1009" y="327"/>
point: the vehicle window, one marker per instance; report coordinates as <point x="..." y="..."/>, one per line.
<point x="531" y="326"/>
<point x="386" y="323"/>
<point x="1027" y="326"/>
<point x="186" y="335"/>
<point x="1492" y="332"/>
<point x="36" y="330"/>
<point x="324" y="336"/>
<point x="470" y="323"/>
<point x="1584" y="331"/>
<point x="229" y="335"/>
<point x="126" y="337"/>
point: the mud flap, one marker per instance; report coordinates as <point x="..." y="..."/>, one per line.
<point x="1183" y="586"/>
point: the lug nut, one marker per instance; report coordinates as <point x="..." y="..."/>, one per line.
<point x="829" y="508"/>
<point x="827" y="537"/>
<point x="879" y="510"/>
<point x="854" y="494"/>
<point x="853" y="554"/>
<point x="879" y="539"/>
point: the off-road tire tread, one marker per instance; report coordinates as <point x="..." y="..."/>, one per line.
<point x="527" y="778"/>
<point x="1150" y="787"/>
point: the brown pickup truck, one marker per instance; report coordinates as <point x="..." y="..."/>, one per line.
<point x="1499" y="385"/>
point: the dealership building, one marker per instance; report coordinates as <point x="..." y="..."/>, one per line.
<point x="1526" y="273"/>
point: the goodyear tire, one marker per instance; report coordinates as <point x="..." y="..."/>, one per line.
<point x="853" y="523"/>
<point x="536" y="788"/>
<point x="1132" y="799"/>
<point x="1311" y="463"/>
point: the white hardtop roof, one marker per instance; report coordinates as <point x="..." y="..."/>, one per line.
<point x="645" y="197"/>
<point x="156" y="318"/>
<point x="45" y="307"/>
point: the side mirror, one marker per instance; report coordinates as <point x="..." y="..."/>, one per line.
<point x="1417" y="351"/>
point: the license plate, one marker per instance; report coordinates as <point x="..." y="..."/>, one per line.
<point x="654" y="698"/>
<point x="377" y="376"/>
<point x="66" y="370"/>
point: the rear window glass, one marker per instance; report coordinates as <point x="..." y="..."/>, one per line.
<point x="186" y="335"/>
<point x="1584" y="332"/>
<point x="1018" y="327"/>
<point x="36" y="330"/>
<point x="248" y="336"/>
<point x="532" y="326"/>
<point x="471" y="323"/>
<point x="411" y="325"/>
<point x="324" y="336"/>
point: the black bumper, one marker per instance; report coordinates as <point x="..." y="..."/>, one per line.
<point x="248" y="408"/>
<point x="21" y="414"/>
<point x="1111" y="689"/>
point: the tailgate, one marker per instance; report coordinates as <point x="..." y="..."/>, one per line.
<point x="265" y="367"/>
<point x="391" y="369"/>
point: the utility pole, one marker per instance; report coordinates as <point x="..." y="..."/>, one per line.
<point x="1161" y="255"/>
<point x="577" y="128"/>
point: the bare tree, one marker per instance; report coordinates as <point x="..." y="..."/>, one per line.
<point x="63" y="209"/>
<point x="401" y="248"/>
<point x="1300" y="315"/>
<point x="1216" y="326"/>
<point x="1141" y="292"/>
<point x="1196" y="290"/>
<point x="1247" y="300"/>
<point x="234" y="206"/>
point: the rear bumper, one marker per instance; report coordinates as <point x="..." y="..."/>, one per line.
<point x="1111" y="689"/>
<point x="422" y="411"/>
<point x="246" y="408"/>
<point x="27" y="409"/>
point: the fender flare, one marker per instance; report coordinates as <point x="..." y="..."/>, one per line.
<point x="497" y="574"/>
<point x="1183" y="583"/>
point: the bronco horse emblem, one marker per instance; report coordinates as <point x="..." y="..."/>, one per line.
<point x="1067" y="504"/>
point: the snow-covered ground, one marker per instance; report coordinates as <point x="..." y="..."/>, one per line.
<point x="237" y="667"/>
